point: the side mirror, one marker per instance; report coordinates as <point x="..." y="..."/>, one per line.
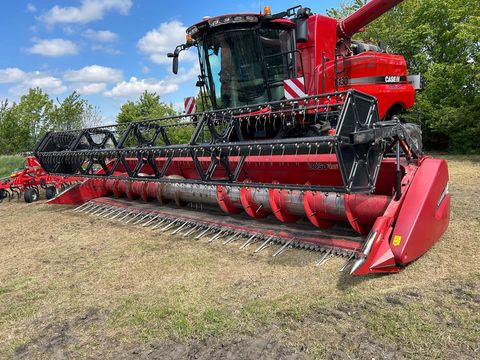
<point x="301" y="30"/>
<point x="175" y="65"/>
<point x="174" y="55"/>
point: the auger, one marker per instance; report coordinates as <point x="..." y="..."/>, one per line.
<point x="302" y="147"/>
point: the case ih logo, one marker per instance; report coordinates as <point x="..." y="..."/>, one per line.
<point x="392" y="79"/>
<point x="190" y="106"/>
<point x="294" y="88"/>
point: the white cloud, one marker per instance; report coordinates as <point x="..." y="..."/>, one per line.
<point x="89" y="10"/>
<point x="94" y="74"/>
<point x="100" y="35"/>
<point x="135" y="87"/>
<point x="89" y="89"/>
<point x="53" y="47"/>
<point x="11" y="75"/>
<point x="158" y="42"/>
<point x="31" y="8"/>
<point x="106" y="49"/>
<point x="48" y="83"/>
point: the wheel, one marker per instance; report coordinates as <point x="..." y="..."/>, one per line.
<point x="50" y="192"/>
<point x="30" y="195"/>
<point x="3" y="195"/>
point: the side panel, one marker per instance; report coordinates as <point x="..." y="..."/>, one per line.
<point x="425" y="212"/>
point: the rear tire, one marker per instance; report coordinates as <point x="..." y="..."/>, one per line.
<point x="3" y="194"/>
<point x="30" y="195"/>
<point x="50" y="192"/>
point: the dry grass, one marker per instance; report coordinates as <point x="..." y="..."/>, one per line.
<point x="73" y="286"/>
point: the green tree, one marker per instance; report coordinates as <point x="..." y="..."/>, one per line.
<point x="67" y="115"/>
<point x="148" y="106"/>
<point x="32" y="118"/>
<point x="23" y="124"/>
<point x="440" y="40"/>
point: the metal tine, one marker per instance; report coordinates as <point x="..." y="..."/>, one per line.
<point x="189" y="231"/>
<point x="347" y="262"/>
<point x="216" y="236"/>
<point x="151" y="220"/>
<point x="133" y="218"/>
<point x="264" y="245"/>
<point x="249" y="241"/>
<point x="108" y="208"/>
<point x="168" y="226"/>
<point x="100" y="208"/>
<point x="143" y="218"/>
<point x="88" y="207"/>
<point x="203" y="233"/>
<point x="94" y="207"/>
<point x="114" y="210"/>
<point x="120" y="213"/>
<point x="81" y="206"/>
<point x="283" y="248"/>
<point x="157" y="225"/>
<point x="129" y="212"/>
<point x="180" y="227"/>
<point x="324" y="258"/>
<point x="232" y="238"/>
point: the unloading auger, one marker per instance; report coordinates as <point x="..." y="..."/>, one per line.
<point x="310" y="156"/>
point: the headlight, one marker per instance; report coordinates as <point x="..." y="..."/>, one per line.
<point x="192" y="30"/>
<point x="235" y="19"/>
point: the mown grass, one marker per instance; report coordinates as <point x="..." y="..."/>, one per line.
<point x="103" y="287"/>
<point x="9" y="163"/>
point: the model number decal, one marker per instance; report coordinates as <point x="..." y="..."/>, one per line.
<point x="323" y="166"/>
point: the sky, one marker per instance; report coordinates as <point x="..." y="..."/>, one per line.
<point x="109" y="51"/>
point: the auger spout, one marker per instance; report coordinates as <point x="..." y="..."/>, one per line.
<point x="353" y="23"/>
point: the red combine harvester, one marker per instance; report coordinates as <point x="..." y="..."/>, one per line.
<point x="28" y="180"/>
<point x="302" y="147"/>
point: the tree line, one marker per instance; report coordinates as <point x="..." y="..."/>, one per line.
<point x="22" y="124"/>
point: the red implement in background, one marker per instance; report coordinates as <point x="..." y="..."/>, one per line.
<point x="30" y="179"/>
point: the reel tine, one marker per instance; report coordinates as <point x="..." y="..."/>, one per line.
<point x="81" y="206"/>
<point x="150" y="221"/>
<point x="107" y="209"/>
<point x="126" y="215"/>
<point x="143" y="218"/>
<point x="189" y="231"/>
<point x="114" y="210"/>
<point x="202" y="233"/>
<point x="231" y="238"/>
<point x="92" y="208"/>
<point x="284" y="248"/>
<point x="180" y="228"/>
<point x="157" y="225"/>
<point x="249" y="241"/>
<point x="120" y="213"/>
<point x="88" y="207"/>
<point x="347" y="262"/>
<point x="216" y="236"/>
<point x="168" y="226"/>
<point x="98" y="209"/>
<point x="264" y="245"/>
<point x="324" y="258"/>
<point x="133" y="218"/>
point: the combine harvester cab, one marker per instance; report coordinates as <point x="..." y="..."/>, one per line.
<point x="301" y="148"/>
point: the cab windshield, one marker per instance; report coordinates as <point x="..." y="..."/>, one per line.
<point x="246" y="66"/>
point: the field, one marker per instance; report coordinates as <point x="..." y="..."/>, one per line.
<point x="81" y="287"/>
<point x="8" y="163"/>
